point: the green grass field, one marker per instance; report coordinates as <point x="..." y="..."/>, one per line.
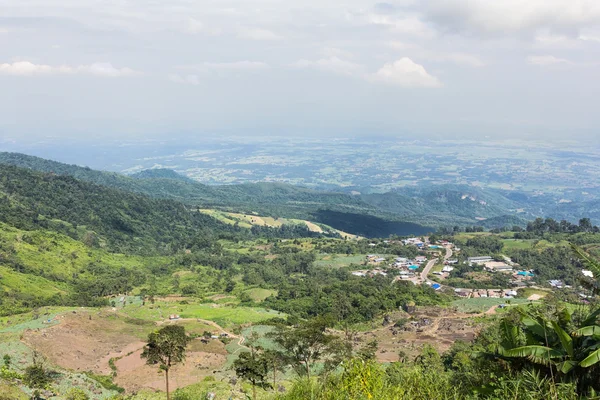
<point x="339" y="260"/>
<point x="480" y="305"/>
<point x="225" y="316"/>
<point x="259" y="295"/>
<point x="516" y="244"/>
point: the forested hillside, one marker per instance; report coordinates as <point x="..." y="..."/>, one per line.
<point x="105" y="217"/>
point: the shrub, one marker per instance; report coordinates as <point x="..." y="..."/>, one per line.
<point x="76" y="394"/>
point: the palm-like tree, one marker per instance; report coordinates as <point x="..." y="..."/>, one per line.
<point x="559" y="345"/>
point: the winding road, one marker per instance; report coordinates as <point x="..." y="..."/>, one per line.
<point x="431" y="264"/>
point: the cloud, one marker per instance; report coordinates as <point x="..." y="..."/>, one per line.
<point x="193" y="26"/>
<point x="403" y="24"/>
<point x="26" y="68"/>
<point x="106" y="69"/>
<point x="258" y="34"/>
<point x="588" y="38"/>
<point x="186" y="79"/>
<point x="237" y="65"/>
<point x="513" y="16"/>
<point x="331" y="64"/>
<point x="406" y="73"/>
<point x="462" y="59"/>
<point x="547" y="60"/>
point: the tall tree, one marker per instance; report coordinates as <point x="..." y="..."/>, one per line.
<point x="306" y="344"/>
<point x="254" y="368"/>
<point x="166" y="347"/>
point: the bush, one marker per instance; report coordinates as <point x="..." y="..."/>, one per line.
<point x="76" y="394"/>
<point x="36" y="376"/>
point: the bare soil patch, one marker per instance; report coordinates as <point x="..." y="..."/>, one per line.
<point x="437" y="327"/>
<point x="133" y="373"/>
<point x="85" y="341"/>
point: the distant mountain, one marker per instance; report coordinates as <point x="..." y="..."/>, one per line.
<point x="275" y="199"/>
<point x="444" y="204"/>
<point x="434" y="205"/>
<point x="168" y="184"/>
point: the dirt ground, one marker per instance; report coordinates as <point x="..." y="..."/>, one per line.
<point x="86" y="341"/>
<point x="437" y="327"/>
<point x="133" y="373"/>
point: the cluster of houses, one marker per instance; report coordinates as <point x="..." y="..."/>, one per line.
<point x="491" y="293"/>
<point x="407" y="267"/>
<point x="519" y="277"/>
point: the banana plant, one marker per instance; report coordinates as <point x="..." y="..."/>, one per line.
<point x="547" y="344"/>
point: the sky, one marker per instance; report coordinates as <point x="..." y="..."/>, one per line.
<point x="159" y="68"/>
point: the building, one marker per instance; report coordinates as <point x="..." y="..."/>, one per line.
<point x="497" y="266"/>
<point x="587" y="273"/>
<point x="479" y="260"/>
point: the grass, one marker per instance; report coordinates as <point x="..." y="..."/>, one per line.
<point x="526" y="292"/>
<point x="483" y="304"/>
<point x="225" y="316"/>
<point x="515" y="244"/>
<point x="339" y="260"/>
<point x="259" y="295"/>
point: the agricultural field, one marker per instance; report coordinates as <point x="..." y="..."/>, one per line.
<point x="340" y="260"/>
<point x="250" y="220"/>
<point x="483" y="304"/>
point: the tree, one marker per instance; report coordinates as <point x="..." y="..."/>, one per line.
<point x="306" y="344"/>
<point x="276" y="362"/>
<point x="558" y="345"/>
<point x="254" y="368"/>
<point x="166" y="347"/>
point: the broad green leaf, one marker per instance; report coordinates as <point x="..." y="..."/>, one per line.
<point x="565" y="339"/>
<point x="567" y="366"/>
<point x="593" y="330"/>
<point x="535" y="328"/>
<point x="591" y="319"/>
<point x="590" y="360"/>
<point x="534" y="351"/>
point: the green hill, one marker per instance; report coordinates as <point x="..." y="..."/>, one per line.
<point x="99" y="215"/>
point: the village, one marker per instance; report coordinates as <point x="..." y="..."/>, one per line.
<point x="436" y="262"/>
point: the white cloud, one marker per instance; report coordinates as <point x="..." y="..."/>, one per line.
<point x="547" y="60"/>
<point x="336" y="52"/>
<point x="405" y="72"/>
<point x="404" y="24"/>
<point x="237" y="65"/>
<point x="399" y="45"/>
<point x="193" y="26"/>
<point x="513" y="16"/>
<point x="258" y="34"/>
<point x="106" y="69"/>
<point x="186" y="79"/>
<point x="548" y="40"/>
<point x="588" y="38"/>
<point x="468" y="60"/>
<point x="26" y="68"/>
<point x="331" y="64"/>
